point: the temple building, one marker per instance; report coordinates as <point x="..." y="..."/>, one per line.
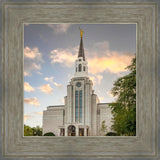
<point x="82" y="114"/>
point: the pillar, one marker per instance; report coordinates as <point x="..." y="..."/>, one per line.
<point x="77" y="131"/>
<point x="66" y="132"/>
<point x="85" y="131"/>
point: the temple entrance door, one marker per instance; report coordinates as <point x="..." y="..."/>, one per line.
<point x="71" y="130"/>
<point x="81" y="131"/>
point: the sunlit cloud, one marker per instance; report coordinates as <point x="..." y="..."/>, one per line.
<point x="27" y="73"/>
<point x="99" y="60"/>
<point x="101" y="98"/>
<point x="32" y="53"/>
<point x="38" y="72"/>
<point x="49" y="79"/>
<point x="110" y="94"/>
<point x="114" y="63"/>
<point x="62" y="100"/>
<point x="39" y="113"/>
<point x="57" y="85"/>
<point x="99" y="78"/>
<point x="36" y="66"/>
<point x="26" y="117"/>
<point x="46" y="89"/>
<point x="28" y="87"/>
<point x="59" y="28"/>
<point x="33" y="101"/>
<point x="32" y="61"/>
<point x="96" y="79"/>
<point x="64" y="56"/>
<point x="93" y="79"/>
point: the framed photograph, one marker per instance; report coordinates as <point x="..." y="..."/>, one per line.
<point x="71" y="77"/>
<point x="69" y="67"/>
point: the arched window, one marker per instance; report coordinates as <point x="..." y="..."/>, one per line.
<point x="71" y="130"/>
<point x="84" y="68"/>
<point x="80" y="68"/>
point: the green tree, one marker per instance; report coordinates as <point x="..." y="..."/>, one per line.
<point x="124" y="109"/>
<point x="37" y="131"/>
<point x="28" y="131"/>
<point x="103" y="128"/>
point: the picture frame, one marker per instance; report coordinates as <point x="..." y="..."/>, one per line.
<point x="144" y="144"/>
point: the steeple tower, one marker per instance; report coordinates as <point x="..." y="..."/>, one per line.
<point x="81" y="65"/>
<point x="81" y="49"/>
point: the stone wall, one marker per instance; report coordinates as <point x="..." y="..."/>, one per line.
<point x="53" y="118"/>
<point x="104" y="114"/>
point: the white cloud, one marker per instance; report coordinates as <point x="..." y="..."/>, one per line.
<point x="32" y="53"/>
<point x="64" y="56"/>
<point x="49" y="79"/>
<point x="57" y="85"/>
<point x="46" y="89"/>
<point x="33" y="101"/>
<point x="27" y="73"/>
<point x="32" y="60"/>
<point x="28" y="87"/>
<point x="59" y="28"/>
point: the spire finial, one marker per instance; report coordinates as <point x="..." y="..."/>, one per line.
<point x="81" y="32"/>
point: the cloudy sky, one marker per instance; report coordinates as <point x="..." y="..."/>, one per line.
<point x="50" y="51"/>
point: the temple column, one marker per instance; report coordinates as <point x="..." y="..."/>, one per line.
<point x="85" y="131"/>
<point x="65" y="132"/>
<point x="77" y="131"/>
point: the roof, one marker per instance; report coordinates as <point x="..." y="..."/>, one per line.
<point x="55" y="106"/>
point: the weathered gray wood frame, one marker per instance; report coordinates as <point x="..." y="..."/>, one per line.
<point x="144" y="145"/>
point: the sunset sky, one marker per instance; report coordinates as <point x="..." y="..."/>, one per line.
<point x="50" y="51"/>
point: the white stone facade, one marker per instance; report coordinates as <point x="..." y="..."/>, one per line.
<point x="82" y="114"/>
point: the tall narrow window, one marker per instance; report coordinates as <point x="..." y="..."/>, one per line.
<point x="80" y="68"/>
<point x="76" y="106"/>
<point x="84" y="68"/>
<point x="76" y="69"/>
<point x="80" y="106"/>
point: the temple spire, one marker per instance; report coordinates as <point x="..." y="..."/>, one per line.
<point x="81" y="49"/>
<point x="81" y="65"/>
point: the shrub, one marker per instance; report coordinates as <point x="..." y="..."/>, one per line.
<point x="49" y="134"/>
<point x="111" y="134"/>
